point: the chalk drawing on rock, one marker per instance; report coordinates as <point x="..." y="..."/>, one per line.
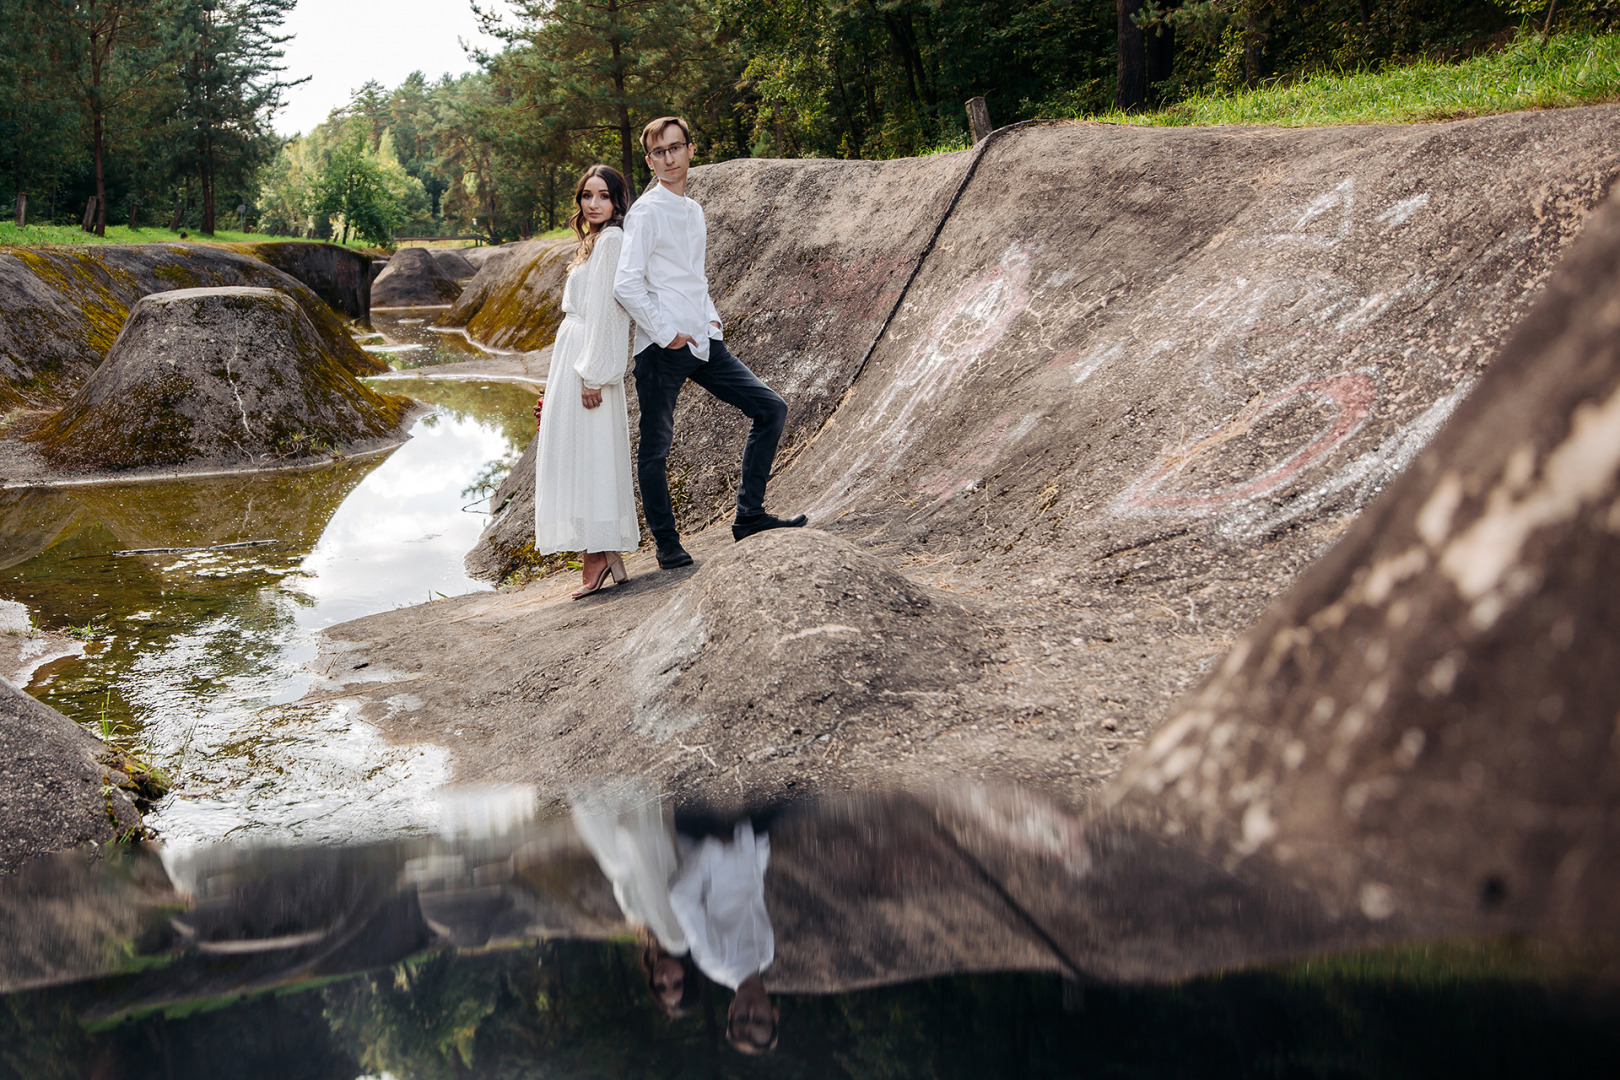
<point x="1401" y="212"/>
<point x="1350" y="395"/>
<point x="1327" y="220"/>
<point x="974" y="320"/>
<point x="1360" y="480"/>
<point x="977" y="457"/>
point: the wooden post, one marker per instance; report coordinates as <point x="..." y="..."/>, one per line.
<point x="979" y="119"/>
<point x="22" y="209"/>
<point x="89" y="215"/>
<point x="174" y="222"/>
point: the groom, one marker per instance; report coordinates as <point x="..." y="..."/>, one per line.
<point x="662" y="284"/>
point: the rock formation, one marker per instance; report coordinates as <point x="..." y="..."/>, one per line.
<point x="338" y="275"/>
<point x="514" y="302"/>
<point x="1121" y="428"/>
<point x="59" y="788"/>
<point x="211" y="378"/>
<point x="413" y="278"/>
<point x="454" y="262"/>
<point x="1425" y="723"/>
<point x="62" y="308"/>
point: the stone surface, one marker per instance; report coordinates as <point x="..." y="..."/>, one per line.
<point x="454" y="262"/>
<point x="1118" y="429"/>
<point x="1426" y="722"/>
<point x="54" y="791"/>
<point x="212" y="378"/>
<point x="514" y="303"/>
<point x="413" y="278"/>
<point x="338" y="275"/>
<point x="62" y="308"/>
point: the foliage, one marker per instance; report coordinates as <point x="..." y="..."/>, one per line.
<point x="225" y="63"/>
<point x="1570" y="69"/>
<point x="142" y="104"/>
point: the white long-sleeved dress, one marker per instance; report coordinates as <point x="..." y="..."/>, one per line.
<point x="584" y="500"/>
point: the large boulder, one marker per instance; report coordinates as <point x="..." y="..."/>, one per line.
<point x="338" y="275"/>
<point x="515" y="301"/>
<point x="59" y="786"/>
<point x="61" y="308"/>
<point x="225" y="377"/>
<point x="413" y="278"/>
<point x="1424" y="725"/>
<point x="454" y="262"/>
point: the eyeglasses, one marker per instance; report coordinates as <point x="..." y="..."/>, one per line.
<point x="664" y="153"/>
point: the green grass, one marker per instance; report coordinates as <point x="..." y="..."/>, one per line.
<point x="34" y="235"/>
<point x="1571" y="69"/>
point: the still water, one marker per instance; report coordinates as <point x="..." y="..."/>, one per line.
<point x="197" y="657"/>
<point x="913" y="936"/>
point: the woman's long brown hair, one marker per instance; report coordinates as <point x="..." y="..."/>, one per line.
<point x="618" y="191"/>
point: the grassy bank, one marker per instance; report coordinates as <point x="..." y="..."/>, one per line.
<point x="1571" y="69"/>
<point x="33" y="235"/>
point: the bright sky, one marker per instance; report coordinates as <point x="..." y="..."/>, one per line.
<point x="342" y="43"/>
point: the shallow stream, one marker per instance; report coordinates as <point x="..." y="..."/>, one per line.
<point x="196" y="657"/>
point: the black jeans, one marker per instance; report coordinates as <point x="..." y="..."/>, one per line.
<point x="660" y="374"/>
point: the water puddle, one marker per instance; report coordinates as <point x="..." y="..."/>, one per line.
<point x="406" y="338"/>
<point x="196" y="656"/>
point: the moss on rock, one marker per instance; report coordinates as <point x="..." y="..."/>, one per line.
<point x="216" y="377"/>
<point x="61" y="309"/>
<point x="515" y="301"/>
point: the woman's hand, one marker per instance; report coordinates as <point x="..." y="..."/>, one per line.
<point x="590" y="398"/>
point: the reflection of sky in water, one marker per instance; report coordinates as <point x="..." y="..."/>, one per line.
<point x="204" y="653"/>
<point x="401" y="536"/>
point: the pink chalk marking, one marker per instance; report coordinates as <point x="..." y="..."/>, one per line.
<point x="1352" y="393"/>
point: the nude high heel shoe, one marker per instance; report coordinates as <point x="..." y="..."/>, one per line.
<point x="615" y="567"/>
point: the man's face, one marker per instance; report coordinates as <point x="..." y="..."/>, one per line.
<point x="669" y="155"/>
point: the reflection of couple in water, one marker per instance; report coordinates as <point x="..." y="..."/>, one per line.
<point x="697" y="902"/>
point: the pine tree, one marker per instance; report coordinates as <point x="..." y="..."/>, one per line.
<point x="604" y="66"/>
<point x="226" y="60"/>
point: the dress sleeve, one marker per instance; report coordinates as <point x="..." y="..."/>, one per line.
<point x="607" y="325"/>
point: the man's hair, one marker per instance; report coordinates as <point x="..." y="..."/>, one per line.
<point x="656" y="128"/>
<point x="745" y="1044"/>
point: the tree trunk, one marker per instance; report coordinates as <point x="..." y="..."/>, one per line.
<point x="1131" y="93"/>
<point x="1159" y="46"/>
<point x="22" y="209"/>
<point x="207" y="179"/>
<point x="627" y="161"/>
<point x="978" y="119"/>
<point x="99" y="137"/>
<point x="1253" y="40"/>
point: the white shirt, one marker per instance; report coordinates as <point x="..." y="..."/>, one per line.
<point x="719" y="900"/>
<point x="661" y="279"/>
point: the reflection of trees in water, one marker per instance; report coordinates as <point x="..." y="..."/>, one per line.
<point x="419" y="1020"/>
<point x="580" y="1009"/>
<point x="57" y="547"/>
<point x="507" y="407"/>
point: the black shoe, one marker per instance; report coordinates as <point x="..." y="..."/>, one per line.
<point x="672" y="556"/>
<point x="743" y="528"/>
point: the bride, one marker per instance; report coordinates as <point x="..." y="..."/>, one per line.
<point x="583" y="498"/>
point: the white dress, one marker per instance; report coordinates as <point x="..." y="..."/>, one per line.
<point x="584" y="500"/>
<point x="635" y="848"/>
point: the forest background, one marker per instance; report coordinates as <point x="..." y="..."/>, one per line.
<point x="156" y="113"/>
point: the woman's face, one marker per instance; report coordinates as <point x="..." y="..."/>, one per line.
<point x="595" y="202"/>
<point x="669" y="981"/>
